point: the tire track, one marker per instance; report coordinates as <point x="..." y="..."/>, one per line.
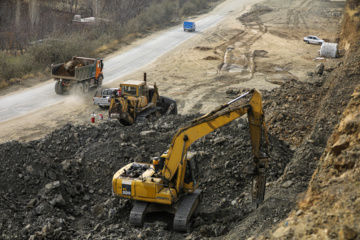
<point x="238" y="56"/>
<point x="294" y="16"/>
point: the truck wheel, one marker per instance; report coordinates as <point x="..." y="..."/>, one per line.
<point x="86" y="87"/>
<point x="79" y="88"/>
<point x="100" y="80"/>
<point x="58" y="88"/>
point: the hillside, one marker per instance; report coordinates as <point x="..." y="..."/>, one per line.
<point x="328" y="208"/>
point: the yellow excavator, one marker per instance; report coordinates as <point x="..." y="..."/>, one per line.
<point x="169" y="183"/>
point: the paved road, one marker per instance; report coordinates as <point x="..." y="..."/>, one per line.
<point x="138" y="57"/>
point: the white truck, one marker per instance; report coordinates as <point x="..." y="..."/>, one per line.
<point x="103" y="97"/>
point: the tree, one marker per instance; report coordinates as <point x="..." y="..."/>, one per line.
<point x="34" y="12"/>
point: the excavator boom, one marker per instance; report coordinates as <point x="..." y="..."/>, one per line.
<point x="214" y="120"/>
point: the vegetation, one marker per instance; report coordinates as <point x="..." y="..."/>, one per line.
<point x="353" y="4"/>
<point x="34" y="35"/>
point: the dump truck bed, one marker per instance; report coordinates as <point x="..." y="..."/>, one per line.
<point x="77" y="73"/>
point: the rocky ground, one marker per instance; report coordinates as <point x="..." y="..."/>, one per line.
<point x="59" y="186"/>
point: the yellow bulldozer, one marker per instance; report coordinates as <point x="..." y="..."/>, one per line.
<point x="170" y="182"/>
<point x="137" y="102"/>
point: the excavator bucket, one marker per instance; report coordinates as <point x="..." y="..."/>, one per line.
<point x="258" y="186"/>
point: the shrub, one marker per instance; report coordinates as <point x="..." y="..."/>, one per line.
<point x="3" y="84"/>
<point x="353" y="4"/>
<point x="62" y="50"/>
<point x="201" y="4"/>
<point x="188" y="9"/>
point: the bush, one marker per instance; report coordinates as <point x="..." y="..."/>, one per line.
<point x="3" y="84"/>
<point x="14" y="67"/>
<point x="188" y="9"/>
<point x="353" y="4"/>
<point x="201" y="4"/>
<point x="156" y="15"/>
<point x="56" y="51"/>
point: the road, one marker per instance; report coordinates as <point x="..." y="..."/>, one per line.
<point x="38" y="97"/>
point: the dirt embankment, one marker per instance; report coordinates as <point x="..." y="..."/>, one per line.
<point x="330" y="207"/>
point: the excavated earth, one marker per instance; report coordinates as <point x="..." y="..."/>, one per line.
<point x="59" y="186"/>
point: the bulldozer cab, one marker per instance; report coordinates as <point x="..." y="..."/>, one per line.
<point x="134" y="88"/>
<point x="129" y="90"/>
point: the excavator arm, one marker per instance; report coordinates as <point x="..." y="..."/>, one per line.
<point x="206" y="124"/>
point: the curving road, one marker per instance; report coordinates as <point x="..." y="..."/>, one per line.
<point x="118" y="66"/>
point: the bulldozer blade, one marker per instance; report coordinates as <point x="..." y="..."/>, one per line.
<point x="168" y="105"/>
<point x="258" y="186"/>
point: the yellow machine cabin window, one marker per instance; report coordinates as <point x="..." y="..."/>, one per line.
<point x="129" y="90"/>
<point x="191" y="172"/>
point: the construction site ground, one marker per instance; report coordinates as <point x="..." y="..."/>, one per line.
<point x="56" y="166"/>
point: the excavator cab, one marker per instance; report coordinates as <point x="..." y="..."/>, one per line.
<point x="191" y="178"/>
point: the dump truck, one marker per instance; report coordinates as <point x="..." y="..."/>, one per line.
<point x="170" y="182"/>
<point x="78" y="75"/>
<point x="139" y="102"/>
<point x="189" y="26"/>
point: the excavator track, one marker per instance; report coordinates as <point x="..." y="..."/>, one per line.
<point x="138" y="212"/>
<point x="186" y="209"/>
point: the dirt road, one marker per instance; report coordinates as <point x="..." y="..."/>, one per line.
<point x="260" y="49"/>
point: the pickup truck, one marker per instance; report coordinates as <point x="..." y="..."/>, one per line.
<point x="103" y="97"/>
<point x="189" y="26"/>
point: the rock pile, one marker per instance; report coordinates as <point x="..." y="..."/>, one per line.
<point x="68" y="68"/>
<point x="59" y="187"/>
